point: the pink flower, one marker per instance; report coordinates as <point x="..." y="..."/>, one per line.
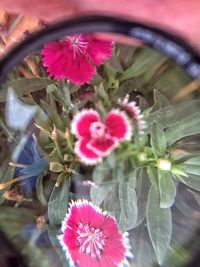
<point x="97" y="139"/>
<point x="75" y="57"/>
<point x="91" y="238"/>
<point x="134" y="111"/>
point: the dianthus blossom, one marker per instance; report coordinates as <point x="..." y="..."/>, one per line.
<point x="91" y="238"/>
<point x="75" y="57"/>
<point x="97" y="139"/>
<point x="134" y="112"/>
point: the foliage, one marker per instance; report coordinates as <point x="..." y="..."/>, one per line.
<point x="138" y="183"/>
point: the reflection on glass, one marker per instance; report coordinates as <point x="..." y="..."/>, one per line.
<point x="100" y="156"/>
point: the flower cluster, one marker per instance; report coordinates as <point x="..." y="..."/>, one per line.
<point x="92" y="237"/>
<point x="75" y="57"/>
<point x="97" y="139"/>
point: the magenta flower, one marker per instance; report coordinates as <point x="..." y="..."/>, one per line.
<point x="134" y="111"/>
<point x="97" y="139"/>
<point x="75" y="57"/>
<point x="92" y="237"/>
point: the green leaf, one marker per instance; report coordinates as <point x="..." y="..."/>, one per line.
<point x="58" y="202"/>
<point x="142" y="63"/>
<point x="102" y="172"/>
<point x="142" y="191"/>
<point x="99" y="192"/>
<point x="40" y="190"/>
<point x="160" y="100"/>
<point x="56" y="167"/>
<point x="159" y="224"/>
<point x="167" y="189"/>
<point x="128" y="204"/>
<point x="192" y="166"/>
<point x="158" y="140"/>
<point x="170" y="115"/>
<point x="24" y="86"/>
<point x="186" y="127"/>
<point x="6" y="174"/>
<point x="192" y="181"/>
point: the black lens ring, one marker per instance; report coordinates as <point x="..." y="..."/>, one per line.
<point x="167" y="43"/>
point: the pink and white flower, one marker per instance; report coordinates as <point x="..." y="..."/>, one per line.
<point x="92" y="237"/>
<point x="134" y="112"/>
<point x="75" y="57"/>
<point x="97" y="139"/>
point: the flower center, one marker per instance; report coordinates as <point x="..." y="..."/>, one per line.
<point x="97" y="130"/>
<point x="78" y="44"/>
<point x="91" y="240"/>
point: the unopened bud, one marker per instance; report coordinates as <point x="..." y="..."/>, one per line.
<point x="164" y="164"/>
<point x="142" y="156"/>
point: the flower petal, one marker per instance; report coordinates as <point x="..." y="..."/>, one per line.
<point x="81" y="123"/>
<point x="98" y="50"/>
<point x="118" y="126"/>
<point x="62" y="62"/>
<point x="103" y="146"/>
<point x="86" y="155"/>
<point x="134" y="111"/>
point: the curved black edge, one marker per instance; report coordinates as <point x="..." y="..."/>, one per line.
<point x="167" y="43"/>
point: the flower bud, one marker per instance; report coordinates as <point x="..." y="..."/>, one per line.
<point x="164" y="164"/>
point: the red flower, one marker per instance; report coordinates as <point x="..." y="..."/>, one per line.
<point x="75" y="57"/>
<point x="92" y="237"/>
<point x="97" y="139"/>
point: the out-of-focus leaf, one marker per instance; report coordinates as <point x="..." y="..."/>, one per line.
<point x="186" y="127"/>
<point x="172" y="114"/>
<point x="24" y="86"/>
<point x="142" y="63"/>
<point x="160" y="100"/>
<point x="13" y="220"/>
<point x="192" y="166"/>
<point x="36" y="257"/>
<point x="128" y="204"/>
<point x="192" y="181"/>
<point x="99" y="192"/>
<point x="142" y="191"/>
<point x="53" y="235"/>
<point x="159" y="224"/>
<point x="167" y="189"/>
<point x="158" y="140"/>
<point x="37" y="168"/>
<point x="57" y="206"/>
<point x="53" y="115"/>
<point x="6" y="174"/>
<point x="174" y="77"/>
<point x="40" y="190"/>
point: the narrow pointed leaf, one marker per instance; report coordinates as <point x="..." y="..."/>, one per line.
<point x="159" y="224"/>
<point x="167" y="189"/>
<point x="128" y="205"/>
<point x="57" y="206"/>
<point x="158" y="140"/>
